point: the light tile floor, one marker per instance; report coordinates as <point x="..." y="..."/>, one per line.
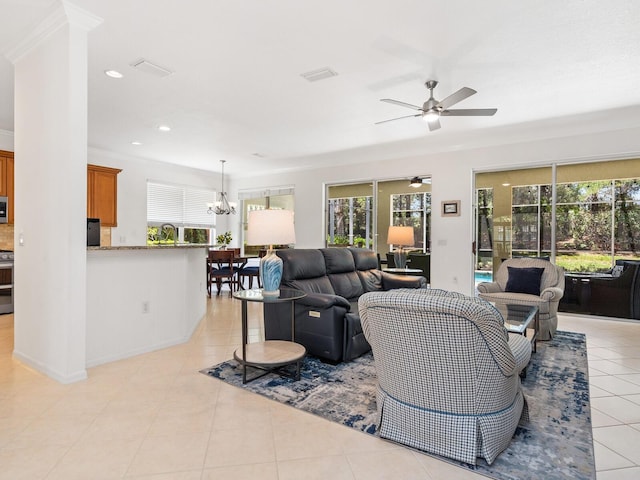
<point x="155" y="417"/>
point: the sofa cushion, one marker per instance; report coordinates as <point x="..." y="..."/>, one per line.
<point x="371" y="280"/>
<point x="524" y="280"/>
<point x="347" y="285"/>
<point x="341" y="270"/>
<point x="310" y="285"/>
<point x="364" y="259"/>
<point x="301" y="264"/>
<point x="338" y="260"/>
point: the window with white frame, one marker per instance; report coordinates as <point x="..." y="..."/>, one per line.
<point x="183" y="206"/>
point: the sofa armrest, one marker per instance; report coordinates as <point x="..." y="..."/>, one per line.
<point x="489" y="287"/>
<point x="551" y="294"/>
<point x="391" y="281"/>
<point x="324" y="301"/>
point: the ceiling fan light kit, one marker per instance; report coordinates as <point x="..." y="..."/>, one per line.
<point x="432" y="109"/>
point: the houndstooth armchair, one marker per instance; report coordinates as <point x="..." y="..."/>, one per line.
<point x="547" y="296"/>
<point x="447" y="372"/>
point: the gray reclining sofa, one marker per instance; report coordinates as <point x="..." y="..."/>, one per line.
<point x="327" y="319"/>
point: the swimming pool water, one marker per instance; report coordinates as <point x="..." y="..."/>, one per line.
<point x="483" y="276"/>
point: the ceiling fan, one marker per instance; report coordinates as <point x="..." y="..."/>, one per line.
<point x="432" y="109"/>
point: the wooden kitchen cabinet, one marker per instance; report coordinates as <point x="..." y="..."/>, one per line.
<point x="102" y="194"/>
<point x="10" y="190"/>
<point x="6" y="180"/>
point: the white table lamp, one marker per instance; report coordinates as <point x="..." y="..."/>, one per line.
<point x="401" y="237"/>
<point x="270" y="227"/>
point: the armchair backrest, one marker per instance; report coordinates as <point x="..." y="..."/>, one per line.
<point x="441" y="351"/>
<point x="553" y="276"/>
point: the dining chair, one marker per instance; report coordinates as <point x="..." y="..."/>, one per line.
<point x="251" y="272"/>
<point x="220" y="269"/>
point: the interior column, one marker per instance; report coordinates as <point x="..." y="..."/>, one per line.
<point x="51" y="194"/>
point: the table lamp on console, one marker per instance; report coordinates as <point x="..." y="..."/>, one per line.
<point x="400" y="237"/>
<point x="270" y="227"/>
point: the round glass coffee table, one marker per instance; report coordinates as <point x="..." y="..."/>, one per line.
<point x="270" y="355"/>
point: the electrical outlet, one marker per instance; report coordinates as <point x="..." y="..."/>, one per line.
<point x="145" y="307"/>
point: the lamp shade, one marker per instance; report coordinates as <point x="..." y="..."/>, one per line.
<point x="400" y="236"/>
<point x="270" y="227"/>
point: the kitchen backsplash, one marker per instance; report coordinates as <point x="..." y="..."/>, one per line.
<point x="6" y="237"/>
<point x="105" y="236"/>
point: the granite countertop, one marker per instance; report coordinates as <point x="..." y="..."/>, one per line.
<point x="149" y="247"/>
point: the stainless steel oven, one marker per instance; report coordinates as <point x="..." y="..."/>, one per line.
<point x="6" y="281"/>
<point x="4" y="209"/>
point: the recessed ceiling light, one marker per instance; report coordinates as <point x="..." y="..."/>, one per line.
<point x="164" y="128"/>
<point x="136" y="143"/>
<point x="506" y="184"/>
<point x="113" y="74"/>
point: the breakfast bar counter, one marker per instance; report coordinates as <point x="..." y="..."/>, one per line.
<point x="142" y="298"/>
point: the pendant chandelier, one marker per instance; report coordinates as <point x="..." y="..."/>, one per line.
<point x="223" y="206"/>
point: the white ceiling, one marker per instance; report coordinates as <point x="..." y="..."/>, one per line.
<point x="549" y="67"/>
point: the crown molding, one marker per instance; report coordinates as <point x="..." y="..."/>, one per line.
<point x="65" y="13"/>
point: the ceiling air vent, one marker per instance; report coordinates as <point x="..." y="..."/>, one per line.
<point x="320" y="74"/>
<point x="151" y="68"/>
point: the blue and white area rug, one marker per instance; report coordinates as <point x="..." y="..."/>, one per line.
<point x="556" y="444"/>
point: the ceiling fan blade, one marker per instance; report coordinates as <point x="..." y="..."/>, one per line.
<point x="398" y="118"/>
<point x="469" y="112"/>
<point x="401" y="104"/>
<point x="456" y="97"/>
<point x="434" y="124"/>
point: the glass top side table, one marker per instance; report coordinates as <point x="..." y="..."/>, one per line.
<point x="270" y="355"/>
<point x="519" y="318"/>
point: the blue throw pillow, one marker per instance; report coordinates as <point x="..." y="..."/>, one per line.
<point x="524" y="280"/>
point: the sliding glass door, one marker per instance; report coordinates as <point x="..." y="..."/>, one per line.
<point x="596" y="210"/>
<point x="400" y="204"/>
<point x="359" y="214"/>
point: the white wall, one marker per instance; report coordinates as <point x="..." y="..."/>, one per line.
<point x="452" y="173"/>
<point x="141" y="300"/>
<point x="6" y="141"/>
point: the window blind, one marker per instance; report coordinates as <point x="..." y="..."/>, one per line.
<point x="181" y="205"/>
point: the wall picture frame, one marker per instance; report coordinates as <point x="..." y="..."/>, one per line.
<point x="451" y="208"/>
